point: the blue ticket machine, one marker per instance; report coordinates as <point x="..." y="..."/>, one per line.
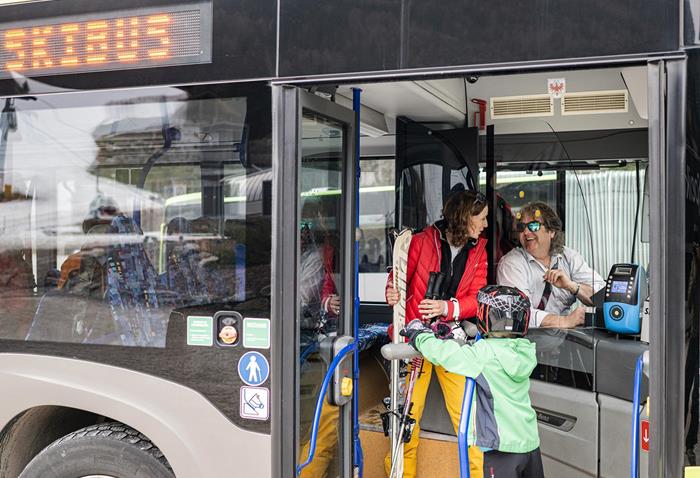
<point x="625" y="292"/>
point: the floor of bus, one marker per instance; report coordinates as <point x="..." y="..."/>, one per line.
<point x="437" y="453"/>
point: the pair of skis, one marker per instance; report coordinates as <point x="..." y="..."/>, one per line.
<point x="400" y="419"/>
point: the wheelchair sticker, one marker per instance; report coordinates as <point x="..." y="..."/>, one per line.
<point x="253" y="368"/>
<point x="255" y="403"/>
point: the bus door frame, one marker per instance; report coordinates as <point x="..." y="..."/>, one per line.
<point x="666" y="85"/>
<point x="288" y="103"/>
<point x="666" y="96"/>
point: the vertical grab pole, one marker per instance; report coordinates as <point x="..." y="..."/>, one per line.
<point x="634" y="459"/>
<point x="462" y="435"/>
<point x="357" y="455"/>
<point x="492" y="199"/>
<point x="462" y="439"/>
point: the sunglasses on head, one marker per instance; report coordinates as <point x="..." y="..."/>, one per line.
<point x="480" y="198"/>
<point x="532" y="226"/>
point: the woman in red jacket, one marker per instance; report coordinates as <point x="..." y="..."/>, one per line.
<point x="453" y="246"/>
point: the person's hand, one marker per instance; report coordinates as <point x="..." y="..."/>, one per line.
<point x="575" y="318"/>
<point x="430" y="308"/>
<point x="392" y="296"/>
<point x="559" y="279"/>
<point x="413" y="329"/>
<point x="334" y="304"/>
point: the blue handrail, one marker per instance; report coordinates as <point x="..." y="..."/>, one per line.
<point x="634" y="460"/>
<point x="358" y="459"/>
<point x="319" y="402"/>
<point x="462" y="438"/>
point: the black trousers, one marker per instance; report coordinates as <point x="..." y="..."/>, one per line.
<point x="498" y="464"/>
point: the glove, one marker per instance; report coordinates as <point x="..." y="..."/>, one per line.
<point x="413" y="329"/>
<point x="442" y="330"/>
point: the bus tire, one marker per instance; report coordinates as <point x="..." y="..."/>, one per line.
<point x="108" y="449"/>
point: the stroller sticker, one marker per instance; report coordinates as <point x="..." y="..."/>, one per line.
<point x="255" y="403"/>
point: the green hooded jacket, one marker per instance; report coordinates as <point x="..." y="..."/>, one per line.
<point x="502" y="416"/>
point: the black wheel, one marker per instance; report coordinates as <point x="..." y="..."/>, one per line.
<point x="108" y="450"/>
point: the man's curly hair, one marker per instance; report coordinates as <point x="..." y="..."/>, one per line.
<point x="550" y="220"/>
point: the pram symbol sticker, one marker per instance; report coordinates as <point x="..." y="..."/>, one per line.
<point x="255" y="403"/>
<point x="253" y="368"/>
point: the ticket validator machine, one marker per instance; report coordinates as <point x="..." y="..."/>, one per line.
<point x="626" y="292"/>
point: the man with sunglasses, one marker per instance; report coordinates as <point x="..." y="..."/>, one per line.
<point x="552" y="275"/>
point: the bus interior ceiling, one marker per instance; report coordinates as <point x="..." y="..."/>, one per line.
<point x="575" y="139"/>
<point x="537" y="139"/>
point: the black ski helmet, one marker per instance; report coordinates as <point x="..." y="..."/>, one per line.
<point x="503" y="311"/>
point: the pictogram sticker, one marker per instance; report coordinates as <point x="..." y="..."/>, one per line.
<point x="255" y="403"/>
<point x="253" y="368"/>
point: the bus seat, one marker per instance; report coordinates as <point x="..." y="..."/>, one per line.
<point x="76" y="311"/>
<point x="73" y="272"/>
<point x="138" y="306"/>
<point x="184" y="274"/>
<point x="372" y="334"/>
<point x="70" y="315"/>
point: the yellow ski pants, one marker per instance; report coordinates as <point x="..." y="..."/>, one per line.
<point x="452" y="386"/>
<point x="326" y="443"/>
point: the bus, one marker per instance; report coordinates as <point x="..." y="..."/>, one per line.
<point x="197" y="198"/>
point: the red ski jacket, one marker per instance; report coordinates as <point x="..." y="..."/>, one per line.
<point x="424" y="256"/>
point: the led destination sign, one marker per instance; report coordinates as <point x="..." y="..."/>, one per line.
<point x="139" y="38"/>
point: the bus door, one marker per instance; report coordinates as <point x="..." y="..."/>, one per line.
<point x="318" y="156"/>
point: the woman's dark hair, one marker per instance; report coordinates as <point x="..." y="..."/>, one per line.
<point x="550" y="220"/>
<point x="458" y="211"/>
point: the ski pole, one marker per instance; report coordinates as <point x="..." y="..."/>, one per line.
<point x="416" y="365"/>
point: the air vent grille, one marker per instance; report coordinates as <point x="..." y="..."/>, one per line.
<point x="594" y="102"/>
<point x="521" y="106"/>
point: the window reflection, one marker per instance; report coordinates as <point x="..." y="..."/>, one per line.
<point x="320" y="280"/>
<point x="119" y="208"/>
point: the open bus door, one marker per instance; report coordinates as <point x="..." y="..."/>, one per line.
<point x="317" y="156"/>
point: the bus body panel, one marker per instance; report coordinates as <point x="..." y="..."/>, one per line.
<point x="383" y="36"/>
<point x="615" y="431"/>
<point x="378" y="36"/>
<point x="567" y="452"/>
<point x="196" y="438"/>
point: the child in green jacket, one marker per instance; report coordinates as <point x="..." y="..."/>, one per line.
<point x="503" y="422"/>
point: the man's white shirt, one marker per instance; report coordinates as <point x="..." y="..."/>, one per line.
<point x="520" y="269"/>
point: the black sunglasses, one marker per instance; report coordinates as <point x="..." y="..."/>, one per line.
<point x="533" y="226"/>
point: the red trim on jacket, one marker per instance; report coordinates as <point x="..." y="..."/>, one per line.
<point x="424" y="256"/>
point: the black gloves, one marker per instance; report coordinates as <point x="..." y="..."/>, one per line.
<point x="413" y="329"/>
